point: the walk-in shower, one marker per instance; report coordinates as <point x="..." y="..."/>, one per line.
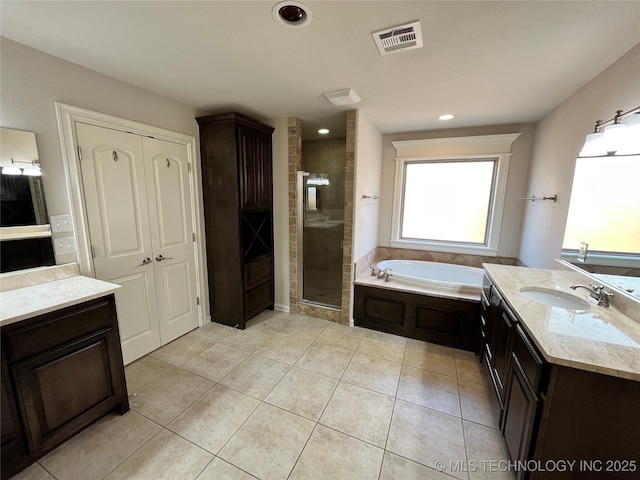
<point x="321" y="215"/>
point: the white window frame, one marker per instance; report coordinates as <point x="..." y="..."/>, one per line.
<point x="489" y="147"/>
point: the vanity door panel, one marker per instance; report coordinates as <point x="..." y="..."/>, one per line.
<point x="63" y="390"/>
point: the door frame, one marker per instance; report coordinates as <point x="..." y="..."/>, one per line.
<point x="67" y="117"/>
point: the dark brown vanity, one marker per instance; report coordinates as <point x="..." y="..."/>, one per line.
<point x="61" y="371"/>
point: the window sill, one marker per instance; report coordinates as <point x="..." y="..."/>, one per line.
<point x="448" y="248"/>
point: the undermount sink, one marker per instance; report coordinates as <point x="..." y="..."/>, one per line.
<point x="554" y="298"/>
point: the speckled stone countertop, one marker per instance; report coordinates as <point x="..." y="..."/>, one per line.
<point x="601" y="340"/>
<point x="34" y="292"/>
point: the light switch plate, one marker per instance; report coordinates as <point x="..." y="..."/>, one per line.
<point x="64" y="245"/>
<point x="61" y="223"/>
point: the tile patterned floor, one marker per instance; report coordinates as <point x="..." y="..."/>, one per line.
<point x="291" y="397"/>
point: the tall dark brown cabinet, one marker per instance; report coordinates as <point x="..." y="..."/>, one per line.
<point x="237" y="184"/>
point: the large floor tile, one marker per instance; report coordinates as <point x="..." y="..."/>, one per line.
<point x="359" y="412"/>
<point x="271" y="320"/>
<point x="182" y="350"/>
<point x="214" y="418"/>
<point x="395" y="467"/>
<point x="429" y="389"/>
<point x="165" y="456"/>
<point x="383" y="345"/>
<point x="213" y="331"/>
<point x="305" y="327"/>
<point x="303" y="393"/>
<point x="430" y="357"/>
<point x="96" y="451"/>
<point x="334" y="455"/>
<point x="34" y="472"/>
<point x="169" y="396"/>
<point x="373" y="373"/>
<point x="284" y="348"/>
<point x="256" y="376"/>
<point x="249" y="339"/>
<point x="215" y="362"/>
<point x="325" y="360"/>
<point x="476" y="401"/>
<point x="468" y="367"/>
<point x="218" y="469"/>
<point x="269" y="443"/>
<point x="484" y="444"/>
<point x="144" y="372"/>
<point x="341" y="336"/>
<point x="426" y="436"/>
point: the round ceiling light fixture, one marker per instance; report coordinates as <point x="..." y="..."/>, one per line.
<point x="446" y="116"/>
<point x="323" y="131"/>
<point x="292" y="14"/>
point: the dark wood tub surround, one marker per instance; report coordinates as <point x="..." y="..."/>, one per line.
<point x="445" y="321"/>
<point x="61" y="371"/>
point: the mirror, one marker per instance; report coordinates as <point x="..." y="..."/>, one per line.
<point x="24" y="225"/>
<point x="602" y="234"/>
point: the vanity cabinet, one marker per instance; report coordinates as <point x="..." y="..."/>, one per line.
<point x="61" y="371"/>
<point x="237" y="184"/>
<point x="550" y="412"/>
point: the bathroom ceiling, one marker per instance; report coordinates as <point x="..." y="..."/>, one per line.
<point x="486" y="62"/>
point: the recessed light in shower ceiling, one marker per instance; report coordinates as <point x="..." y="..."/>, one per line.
<point x="446" y="116"/>
<point x="323" y="131"/>
<point x="292" y="14"/>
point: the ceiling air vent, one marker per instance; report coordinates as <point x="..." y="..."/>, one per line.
<point x="396" y="39"/>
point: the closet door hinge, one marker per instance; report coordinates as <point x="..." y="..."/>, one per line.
<point x="79" y="153"/>
<point x="197" y="300"/>
<point x="189" y="167"/>
<point x="193" y="235"/>
<point x="93" y="252"/>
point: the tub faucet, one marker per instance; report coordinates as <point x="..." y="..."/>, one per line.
<point x="597" y="294"/>
<point x="386" y="274"/>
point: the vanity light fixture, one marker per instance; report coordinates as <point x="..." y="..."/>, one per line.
<point x="292" y="14"/>
<point x="620" y="136"/>
<point x="323" y="131"/>
<point x="32" y="170"/>
<point x="446" y="116"/>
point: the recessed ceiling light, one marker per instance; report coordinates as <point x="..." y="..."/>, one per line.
<point x="292" y="14"/>
<point x="323" y="131"/>
<point x="446" y="116"/>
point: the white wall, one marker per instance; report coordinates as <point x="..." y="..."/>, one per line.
<point x="368" y="162"/>
<point x="559" y="138"/>
<point x="509" y="241"/>
<point x="281" y="212"/>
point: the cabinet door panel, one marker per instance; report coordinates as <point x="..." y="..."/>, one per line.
<point x="60" y="391"/>
<point x="250" y="170"/>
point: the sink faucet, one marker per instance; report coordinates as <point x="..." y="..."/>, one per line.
<point x="597" y="294"/>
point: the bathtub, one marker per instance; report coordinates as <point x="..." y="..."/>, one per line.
<point x="444" y="277"/>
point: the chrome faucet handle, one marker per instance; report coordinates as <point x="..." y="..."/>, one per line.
<point x="387" y="277"/>
<point x="374" y="272"/>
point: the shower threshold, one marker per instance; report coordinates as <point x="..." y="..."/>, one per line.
<point x="320" y="304"/>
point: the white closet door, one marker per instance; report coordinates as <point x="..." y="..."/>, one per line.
<point x="115" y="191"/>
<point x="169" y="201"/>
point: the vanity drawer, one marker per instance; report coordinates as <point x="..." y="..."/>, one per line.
<point x="50" y="330"/>
<point x="527" y="357"/>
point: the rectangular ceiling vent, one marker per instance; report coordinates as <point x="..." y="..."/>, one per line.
<point x="397" y="39"/>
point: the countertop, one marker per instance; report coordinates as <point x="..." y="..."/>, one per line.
<point x="58" y="288"/>
<point x="601" y="340"/>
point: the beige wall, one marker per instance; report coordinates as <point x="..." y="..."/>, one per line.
<point x="559" y="138"/>
<point x="509" y="241"/>
<point x="368" y="159"/>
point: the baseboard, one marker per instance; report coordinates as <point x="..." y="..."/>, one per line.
<point x="281" y="308"/>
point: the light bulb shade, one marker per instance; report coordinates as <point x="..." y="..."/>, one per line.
<point x="614" y="137"/>
<point x="11" y="170"/>
<point x="593" y="145"/>
<point x="631" y="143"/>
<point x="32" y="171"/>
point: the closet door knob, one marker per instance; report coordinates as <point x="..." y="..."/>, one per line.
<point x="160" y="258"/>
<point x="146" y="261"/>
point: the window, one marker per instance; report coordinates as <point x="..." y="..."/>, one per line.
<point x="451" y="203"/>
